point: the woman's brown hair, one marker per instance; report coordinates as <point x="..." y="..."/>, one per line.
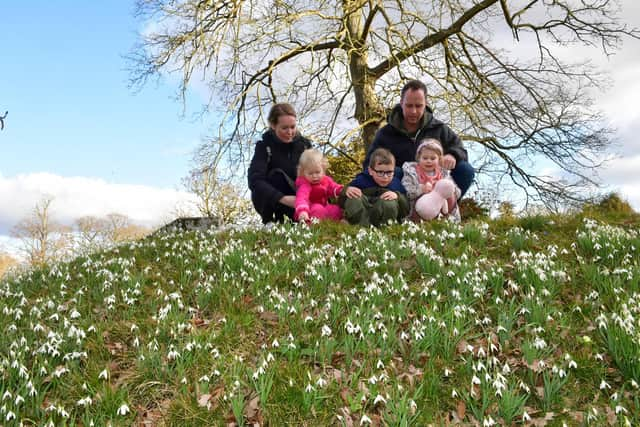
<point x="280" y="109"/>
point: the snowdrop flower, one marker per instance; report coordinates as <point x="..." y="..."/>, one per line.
<point x="326" y="331"/>
<point x="488" y="422"/>
<point x="525" y="417"/>
<point x="379" y="399"/>
<point x="454" y="393"/>
<point x="103" y="375"/>
<point x="10" y="416"/>
<point x="620" y="408"/>
<point x="85" y="401"/>
<point x="123" y="409"/>
<point x="321" y="382"/>
<point x="365" y="420"/>
<point x="604" y="385"/>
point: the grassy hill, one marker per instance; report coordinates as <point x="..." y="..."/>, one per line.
<point x="530" y="321"/>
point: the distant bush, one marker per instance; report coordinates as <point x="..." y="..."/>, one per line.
<point x="471" y="208"/>
<point x="611" y="203"/>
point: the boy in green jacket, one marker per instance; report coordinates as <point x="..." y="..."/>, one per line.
<point x="375" y="196"/>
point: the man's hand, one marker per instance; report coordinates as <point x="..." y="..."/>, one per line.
<point x="288" y="201"/>
<point x="353" y="193"/>
<point x="389" y="195"/>
<point x="448" y="161"/>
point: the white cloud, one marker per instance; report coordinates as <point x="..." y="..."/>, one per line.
<point x="74" y="197"/>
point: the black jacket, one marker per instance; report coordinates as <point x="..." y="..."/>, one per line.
<point x="393" y="136"/>
<point x="282" y="156"/>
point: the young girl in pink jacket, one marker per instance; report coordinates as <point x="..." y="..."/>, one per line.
<point x="314" y="188"/>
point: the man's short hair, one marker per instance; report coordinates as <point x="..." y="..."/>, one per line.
<point x="381" y="156"/>
<point x="413" y="85"/>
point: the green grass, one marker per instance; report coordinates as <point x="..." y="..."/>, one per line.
<point x="333" y="325"/>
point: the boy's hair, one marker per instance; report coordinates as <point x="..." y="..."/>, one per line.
<point x="381" y="156"/>
<point x="278" y="110"/>
<point x="430" y="144"/>
<point x="310" y="157"/>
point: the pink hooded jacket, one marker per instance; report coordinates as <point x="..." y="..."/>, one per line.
<point x="319" y="193"/>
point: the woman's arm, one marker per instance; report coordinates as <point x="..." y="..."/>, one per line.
<point x="257" y="177"/>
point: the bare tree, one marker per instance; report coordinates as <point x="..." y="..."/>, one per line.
<point x="43" y="239"/>
<point x="95" y="233"/>
<point x="92" y="233"/>
<point x="120" y="229"/>
<point x="341" y="63"/>
<point x="215" y="198"/>
<point x="2" y="120"/>
<point x="6" y="263"/>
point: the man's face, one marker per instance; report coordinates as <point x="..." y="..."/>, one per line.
<point x="413" y="104"/>
<point x="382" y="174"/>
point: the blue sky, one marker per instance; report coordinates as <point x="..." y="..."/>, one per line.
<point x="64" y="82"/>
<point x="76" y="132"/>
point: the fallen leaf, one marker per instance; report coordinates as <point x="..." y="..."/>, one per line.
<point x="269" y="317"/>
<point x="252" y="408"/>
<point x="204" y="400"/>
<point x="461" y="348"/>
<point x="461" y="410"/>
<point x="346" y="417"/>
<point x="344" y="395"/>
<point x="612" y="418"/>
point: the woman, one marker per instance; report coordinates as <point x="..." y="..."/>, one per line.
<point x="272" y="172"/>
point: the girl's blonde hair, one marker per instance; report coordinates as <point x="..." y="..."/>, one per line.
<point x="311" y="157"/>
<point x="430" y="144"/>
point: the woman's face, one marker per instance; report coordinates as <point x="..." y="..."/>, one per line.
<point x="285" y="128"/>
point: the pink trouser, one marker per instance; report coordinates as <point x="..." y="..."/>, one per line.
<point x="327" y="211"/>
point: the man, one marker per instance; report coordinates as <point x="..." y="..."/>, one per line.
<point x="410" y="122"/>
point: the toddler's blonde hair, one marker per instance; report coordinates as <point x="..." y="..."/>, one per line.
<point x="430" y="144"/>
<point x="312" y="157"/>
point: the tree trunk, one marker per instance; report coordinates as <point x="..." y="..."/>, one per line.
<point x="368" y="110"/>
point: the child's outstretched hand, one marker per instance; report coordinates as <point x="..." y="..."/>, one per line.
<point x="353" y="192"/>
<point x="389" y="195"/>
<point x="427" y="187"/>
<point x="304" y="216"/>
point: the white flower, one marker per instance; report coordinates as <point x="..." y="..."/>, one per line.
<point x="379" y="399"/>
<point x="326" y="331"/>
<point x="604" y="385"/>
<point x="123" y="409"/>
<point x="365" y="420"/>
<point x="321" y="382"/>
<point x="103" y="375"/>
<point x="85" y="401"/>
<point x="488" y="422"/>
<point x="525" y="417"/>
